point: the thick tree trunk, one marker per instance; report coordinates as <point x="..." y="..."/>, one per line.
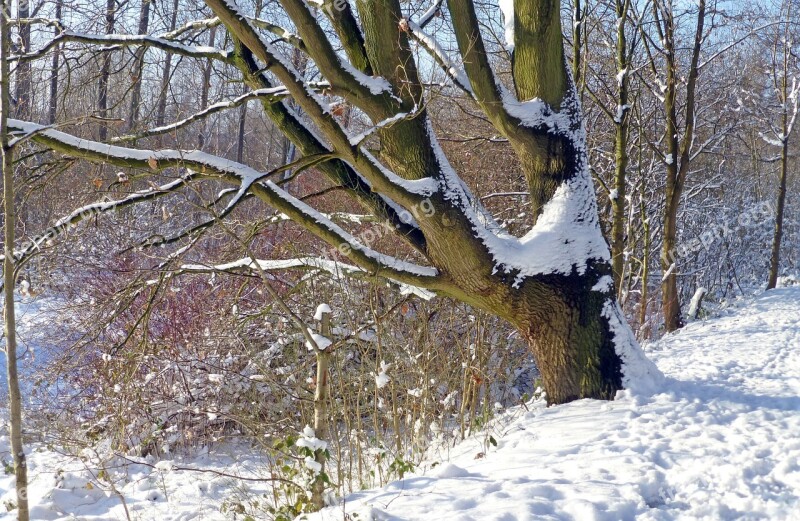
<point x="9" y="283"/>
<point x="572" y="340"/>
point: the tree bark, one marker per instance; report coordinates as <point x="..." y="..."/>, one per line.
<point x="52" y="110"/>
<point x="24" y="87"/>
<point x="204" y="93"/>
<point x="105" y="72"/>
<point x="321" y="397"/>
<point x="571" y="339"/>
<point x="621" y="132"/>
<point x="9" y="272"/>
<point x="161" y="111"/>
<point x="138" y="66"/>
<point x="775" y="254"/>
<point x="677" y="158"/>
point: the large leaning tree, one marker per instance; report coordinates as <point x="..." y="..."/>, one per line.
<point x="554" y="284"/>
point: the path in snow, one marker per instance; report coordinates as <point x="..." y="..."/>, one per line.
<point x="720" y="441"/>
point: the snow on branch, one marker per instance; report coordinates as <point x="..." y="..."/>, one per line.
<point x="271" y="95"/>
<point x="388" y="122"/>
<point x="406" y="192"/>
<point x="453" y="71"/>
<point x="201" y="25"/>
<point x="368" y="92"/>
<point x="249" y="179"/>
<point x="86" y="212"/>
<point x="123" y="40"/>
<point x="430" y="14"/>
<point x="194" y="25"/>
<point x="335" y="268"/>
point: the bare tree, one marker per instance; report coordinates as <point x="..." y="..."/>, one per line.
<point x="138" y="66"/>
<point x="9" y="274"/>
<point x="679" y="133"/>
<point x="783" y="62"/>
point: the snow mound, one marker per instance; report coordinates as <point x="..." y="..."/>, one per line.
<point x="716" y="440"/>
<point x="450" y="471"/>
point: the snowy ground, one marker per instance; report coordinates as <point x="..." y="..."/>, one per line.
<point x="720" y="441"/>
<point x="66" y="488"/>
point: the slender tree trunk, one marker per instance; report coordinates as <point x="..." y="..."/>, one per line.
<point x="138" y="66"/>
<point x="161" y="111"/>
<point x="775" y="254"/>
<point x="23" y="87"/>
<point x="321" y="397"/>
<point x="105" y="72"/>
<point x="52" y="110"/>
<point x="644" y="328"/>
<point x="242" y="126"/>
<point x="621" y="132"/>
<point x="677" y="159"/>
<point x="669" y="285"/>
<point x="204" y="93"/>
<point x="774" y="262"/>
<point x="577" y="42"/>
<point x="9" y="311"/>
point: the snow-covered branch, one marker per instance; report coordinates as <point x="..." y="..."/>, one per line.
<point x="335" y="268"/>
<point x="453" y="71"/>
<point x="271" y="95"/>
<point x="122" y="40"/>
<point x="405" y="192"/>
<point x="86" y="212"/>
<point x="430" y="14"/>
<point x="247" y="178"/>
